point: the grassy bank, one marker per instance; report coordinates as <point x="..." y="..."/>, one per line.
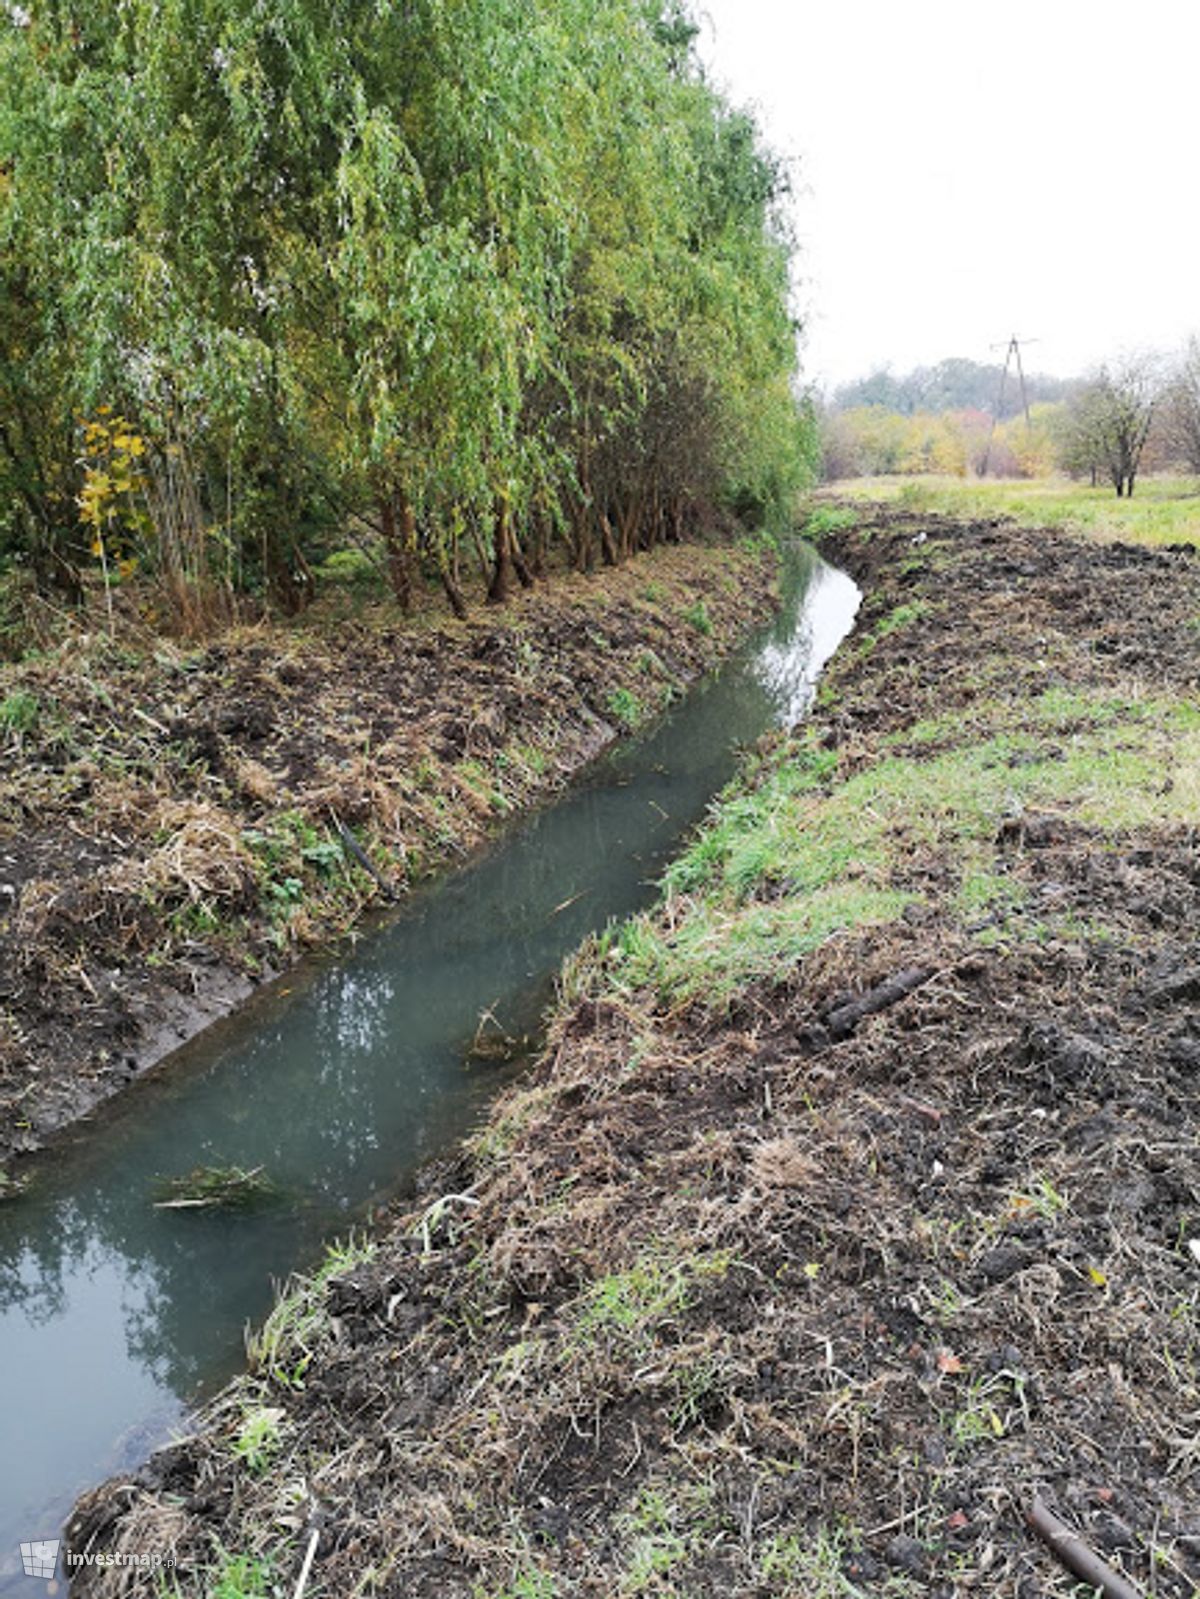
<point x="177" y="823"/>
<point x="1165" y="509"/>
<point x="856" y="1199"/>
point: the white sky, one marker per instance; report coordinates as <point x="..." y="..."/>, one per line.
<point x="966" y="171"/>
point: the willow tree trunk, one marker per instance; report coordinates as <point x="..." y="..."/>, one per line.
<point x="502" y="569"/>
<point x="400" y="546"/>
<point x="608" y="544"/>
<point x="452" y="591"/>
<point x="524" y="570"/>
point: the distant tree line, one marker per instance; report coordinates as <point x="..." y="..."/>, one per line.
<point x="476" y="286"/>
<point x="952" y="385"/>
<point x="1135" y="413"/>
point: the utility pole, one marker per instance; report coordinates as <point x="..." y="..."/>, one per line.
<point x="1012" y="352"/>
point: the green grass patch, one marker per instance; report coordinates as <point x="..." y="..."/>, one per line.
<point x="659" y="1534"/>
<point x="242" y="1577"/>
<point x="697" y="616"/>
<point x="813" y="1566"/>
<point x="284" y="1347"/>
<point x="1165" y="509"/>
<point x="625" y="706"/>
<point x="19" y="711"/>
<point x="259" y="1437"/>
<point x="784" y="865"/>
<point x="352" y="569"/>
<point x="900" y="617"/>
<point x="630" y="1304"/>
<point x="823" y="519"/>
<point x="525" y="1585"/>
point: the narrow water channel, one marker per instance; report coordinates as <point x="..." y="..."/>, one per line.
<point x="115" y="1317"/>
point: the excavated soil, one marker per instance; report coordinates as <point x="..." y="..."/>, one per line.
<point x="811" y="1296"/>
<point x="171" y="819"/>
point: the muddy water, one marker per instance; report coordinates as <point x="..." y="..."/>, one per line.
<point x="116" y="1317"/>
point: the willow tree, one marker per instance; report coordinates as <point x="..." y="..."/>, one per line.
<point x="462" y="273"/>
<point x="629" y="172"/>
<point x="162" y="152"/>
<point x="47" y="158"/>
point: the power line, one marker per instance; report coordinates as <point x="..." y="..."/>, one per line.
<point x="1012" y="352"/>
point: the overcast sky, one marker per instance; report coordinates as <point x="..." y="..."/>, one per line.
<point x="967" y="171"/>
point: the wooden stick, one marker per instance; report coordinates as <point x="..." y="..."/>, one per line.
<point x="352" y="847"/>
<point x="314" y="1539"/>
<point x="1066" y="1544"/>
<point x="842" y="1021"/>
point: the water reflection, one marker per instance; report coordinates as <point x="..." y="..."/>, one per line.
<point x="789" y="664"/>
<point x="115" y="1316"/>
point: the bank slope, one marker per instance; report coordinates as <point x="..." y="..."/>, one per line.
<point x="177" y="823"/>
<point x="855" y="1200"/>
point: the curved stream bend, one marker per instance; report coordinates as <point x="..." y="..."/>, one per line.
<point x="116" y="1317"/>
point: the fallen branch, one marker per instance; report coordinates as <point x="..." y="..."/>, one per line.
<point x="842" y="1021"/>
<point x="1068" y="1547"/>
<point x="353" y="848"/>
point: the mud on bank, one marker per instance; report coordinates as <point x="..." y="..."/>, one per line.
<point x="857" y="1197"/>
<point x="173" y="821"/>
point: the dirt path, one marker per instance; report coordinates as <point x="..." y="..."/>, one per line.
<point x="857" y="1198"/>
<point x="170" y="819"/>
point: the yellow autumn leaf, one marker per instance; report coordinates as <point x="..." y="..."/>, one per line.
<point x="1098" y="1277"/>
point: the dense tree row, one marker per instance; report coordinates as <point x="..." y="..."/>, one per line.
<point x="468" y="281"/>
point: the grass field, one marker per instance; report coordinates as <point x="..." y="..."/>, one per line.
<point x="1164" y="510"/>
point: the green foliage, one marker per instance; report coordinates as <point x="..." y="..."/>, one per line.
<point x="351" y="569"/>
<point x="526" y="1585"/>
<point x="823" y="519"/>
<point x="507" y="275"/>
<point x="19" y="712"/>
<point x="258" y="1438"/>
<point x="1109" y="423"/>
<point x="697" y="616"/>
<point x="625" y="706"/>
<point x="242" y="1577"/>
